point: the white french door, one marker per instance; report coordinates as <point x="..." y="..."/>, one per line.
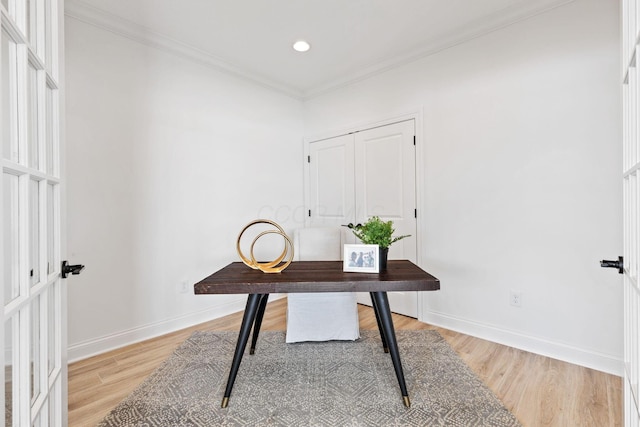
<point x="33" y="297"/>
<point x="370" y="172"/>
<point x="631" y="189"/>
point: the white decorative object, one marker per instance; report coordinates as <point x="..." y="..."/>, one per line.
<point x="321" y="316"/>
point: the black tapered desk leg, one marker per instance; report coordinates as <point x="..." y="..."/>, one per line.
<point x="258" y="322"/>
<point x="375" y="310"/>
<point x="382" y="304"/>
<point x="245" y="329"/>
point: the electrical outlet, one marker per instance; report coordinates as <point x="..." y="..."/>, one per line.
<point x="515" y="298"/>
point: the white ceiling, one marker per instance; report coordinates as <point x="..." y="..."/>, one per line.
<point x="350" y="39"/>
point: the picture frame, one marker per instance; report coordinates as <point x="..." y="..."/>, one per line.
<point x="361" y="259"/>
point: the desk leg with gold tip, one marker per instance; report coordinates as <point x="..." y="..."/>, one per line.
<point x="248" y="319"/>
<point x="382" y="305"/>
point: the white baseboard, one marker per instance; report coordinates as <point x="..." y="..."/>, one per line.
<point x="567" y="353"/>
<point x="116" y="340"/>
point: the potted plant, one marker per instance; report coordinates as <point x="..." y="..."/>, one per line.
<point x="377" y="232"/>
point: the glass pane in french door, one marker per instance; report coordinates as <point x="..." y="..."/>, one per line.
<point x="52" y="240"/>
<point x="30" y="13"/>
<point x="10" y="369"/>
<point x="32" y="117"/>
<point x="10" y="233"/>
<point x="8" y="73"/>
<point x="54" y="408"/>
<point x="34" y="357"/>
<point x="34" y="231"/>
<point x="35" y="24"/>
<point x="48" y="28"/>
<point x="52" y="314"/>
<point x="50" y="131"/>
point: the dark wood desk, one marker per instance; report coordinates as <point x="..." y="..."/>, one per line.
<point x="315" y="276"/>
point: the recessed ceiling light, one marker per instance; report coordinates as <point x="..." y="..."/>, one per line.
<point x="301" y="46"/>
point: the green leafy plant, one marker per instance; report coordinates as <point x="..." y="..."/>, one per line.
<point x="376" y="232"/>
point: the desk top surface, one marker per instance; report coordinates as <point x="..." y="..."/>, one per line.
<point x="316" y="276"/>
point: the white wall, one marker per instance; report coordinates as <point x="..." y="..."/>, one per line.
<point x="167" y="161"/>
<point x="521" y="191"/>
<point x="520" y="143"/>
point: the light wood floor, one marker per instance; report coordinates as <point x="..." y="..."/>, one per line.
<point x="538" y="390"/>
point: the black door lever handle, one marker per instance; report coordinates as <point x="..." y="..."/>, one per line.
<point x="70" y="269"/>
<point x="350" y="225"/>
<point x="619" y="264"/>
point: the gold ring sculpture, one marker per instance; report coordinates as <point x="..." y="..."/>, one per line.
<point x="271" y="266"/>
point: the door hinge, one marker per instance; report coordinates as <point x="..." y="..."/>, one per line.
<point x="415" y="213"/>
<point x="308" y="159"/>
<point x="414" y="140"/>
<point x="309" y="212"/>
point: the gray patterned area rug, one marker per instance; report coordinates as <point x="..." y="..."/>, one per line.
<point x="334" y="383"/>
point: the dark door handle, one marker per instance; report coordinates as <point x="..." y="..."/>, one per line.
<point x="70" y="269"/>
<point x="619" y="264"/>
<point x="350" y="225"/>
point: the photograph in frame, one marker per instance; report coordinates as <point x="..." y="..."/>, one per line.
<point x="361" y="258"/>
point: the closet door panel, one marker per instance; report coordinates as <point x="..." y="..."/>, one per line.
<point x="386" y="181"/>
<point x="331" y="181"/>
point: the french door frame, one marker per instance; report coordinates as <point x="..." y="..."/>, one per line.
<point x="31" y="213"/>
<point x="631" y="195"/>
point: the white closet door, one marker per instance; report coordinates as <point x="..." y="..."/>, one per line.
<point x="33" y="332"/>
<point x="386" y="187"/>
<point x="386" y="181"/>
<point x="372" y="172"/>
<point x="331" y="182"/>
<point x="631" y="209"/>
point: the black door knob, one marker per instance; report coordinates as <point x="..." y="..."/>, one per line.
<point x="70" y="269"/>
<point x="619" y="264"/>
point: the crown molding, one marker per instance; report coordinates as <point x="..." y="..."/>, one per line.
<point x="83" y="12"/>
<point x="524" y="9"/>
<point x="478" y="28"/>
